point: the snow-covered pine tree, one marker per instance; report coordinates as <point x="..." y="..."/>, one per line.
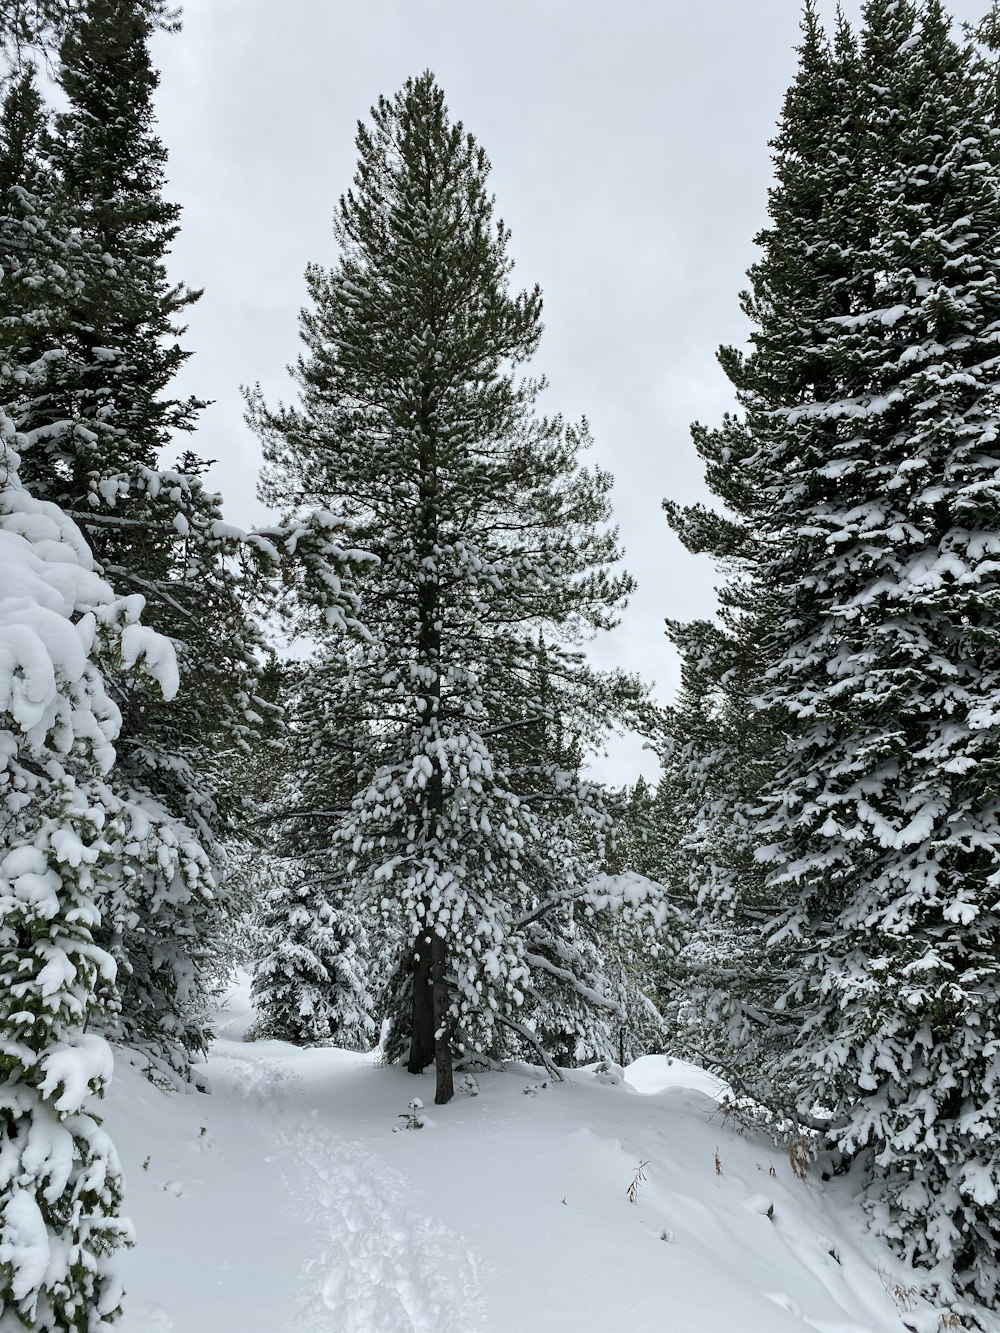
<point x="59" y="1209"/>
<point x="60" y="626"/>
<point x="724" y="739"/>
<point x="874" y="466"/>
<point x="888" y="821"/>
<point x="592" y="938"/>
<point x="416" y="428"/>
<point x="32" y="29"/>
<point x="313" y="982"/>
<point x="316" y="978"/>
<point x="593" y="955"/>
<point x="95" y="431"/>
<point x="631" y="846"/>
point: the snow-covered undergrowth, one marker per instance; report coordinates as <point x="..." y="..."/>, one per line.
<point x="292" y="1197"/>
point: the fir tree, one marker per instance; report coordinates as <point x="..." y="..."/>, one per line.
<point x="61" y="627"/>
<point x="725" y="741"/>
<point x="313" y="982"/>
<point x="634" y="830"/>
<point x="109" y="167"/>
<point x="32" y="29"/>
<point x="871" y="411"/>
<point x="316" y="979"/>
<point x="482" y="530"/>
<point x="893" y="836"/>
<point x="96" y="429"/>
<point x="59" y="1209"/>
<point x="22" y="121"/>
<point x="720" y="988"/>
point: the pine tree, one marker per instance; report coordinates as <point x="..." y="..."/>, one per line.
<point x="315" y="979"/>
<point x="896" y="846"/>
<point x="61" y="627"/>
<point x="313" y="983"/>
<point x="96" y="435"/>
<point x="59" y="1209"/>
<point x="33" y="29"/>
<point x="482" y="529"/>
<point x="596" y="947"/>
<point x="634" y="830"/>
<point x="871" y="409"/>
<point x="109" y="167"/>
<point x="720" y="988"/>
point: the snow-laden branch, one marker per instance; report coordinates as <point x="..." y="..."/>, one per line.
<point x="535" y="1045"/>
<point x="564" y="974"/>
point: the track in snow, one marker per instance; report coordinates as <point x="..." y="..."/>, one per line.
<point x="377" y="1264"/>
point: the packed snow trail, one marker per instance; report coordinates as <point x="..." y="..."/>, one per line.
<point x="377" y="1265"/>
<point x="284" y="1201"/>
<point x="343" y="1249"/>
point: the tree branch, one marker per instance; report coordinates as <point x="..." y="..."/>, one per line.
<point x="532" y="1041"/>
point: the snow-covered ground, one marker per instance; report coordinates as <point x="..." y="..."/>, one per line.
<point x="292" y="1198"/>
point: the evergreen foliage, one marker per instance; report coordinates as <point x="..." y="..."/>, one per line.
<point x="95" y="429"/>
<point x="59" y="1208"/>
<point x="316" y="979"/>
<point x="62" y="629"/>
<point x="483" y="531"/>
<point x="32" y="30"/>
<point x="724" y="741"/>
<point x="863" y="473"/>
<point x="635" y="830"/>
<point x="313" y="983"/>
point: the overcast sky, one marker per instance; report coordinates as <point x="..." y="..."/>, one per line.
<point x="629" y="147"/>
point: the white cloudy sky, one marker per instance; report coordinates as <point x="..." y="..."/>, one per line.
<point x="629" y="148"/>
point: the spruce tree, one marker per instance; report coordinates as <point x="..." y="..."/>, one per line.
<point x="634" y="829"/>
<point x="33" y="29"/>
<point x="316" y="979"/>
<point x="60" y="1208"/>
<point x="893" y="836"/>
<point x="871" y="409"/>
<point x="313" y="981"/>
<point x="482" y="529"/>
<point x="97" y="433"/>
<point x="62" y="629"/>
<point x="725" y="740"/>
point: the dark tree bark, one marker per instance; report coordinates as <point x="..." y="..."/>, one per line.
<point x="444" y="1088"/>
<point x="422" y="1021"/>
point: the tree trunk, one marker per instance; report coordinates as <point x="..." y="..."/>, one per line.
<point x="422" y="1012"/>
<point x="444" y="1088"/>
<point x="434" y="985"/>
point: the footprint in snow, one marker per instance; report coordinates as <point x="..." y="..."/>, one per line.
<point x="379" y="1265"/>
<point x="150" y="1318"/>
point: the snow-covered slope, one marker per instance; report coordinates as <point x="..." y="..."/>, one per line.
<point x="284" y="1200"/>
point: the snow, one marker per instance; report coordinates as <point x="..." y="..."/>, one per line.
<point x="27" y="1249"/>
<point x="292" y="1197"/>
<point x="140" y="643"/>
<point x="75" y="1067"/>
<point x="48" y="580"/>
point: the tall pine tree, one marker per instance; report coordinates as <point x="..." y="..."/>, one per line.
<point x="33" y="29"/>
<point x="62" y="630"/>
<point x="726" y="741"/>
<point x="316" y="978"/>
<point x="484" y="530"/>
